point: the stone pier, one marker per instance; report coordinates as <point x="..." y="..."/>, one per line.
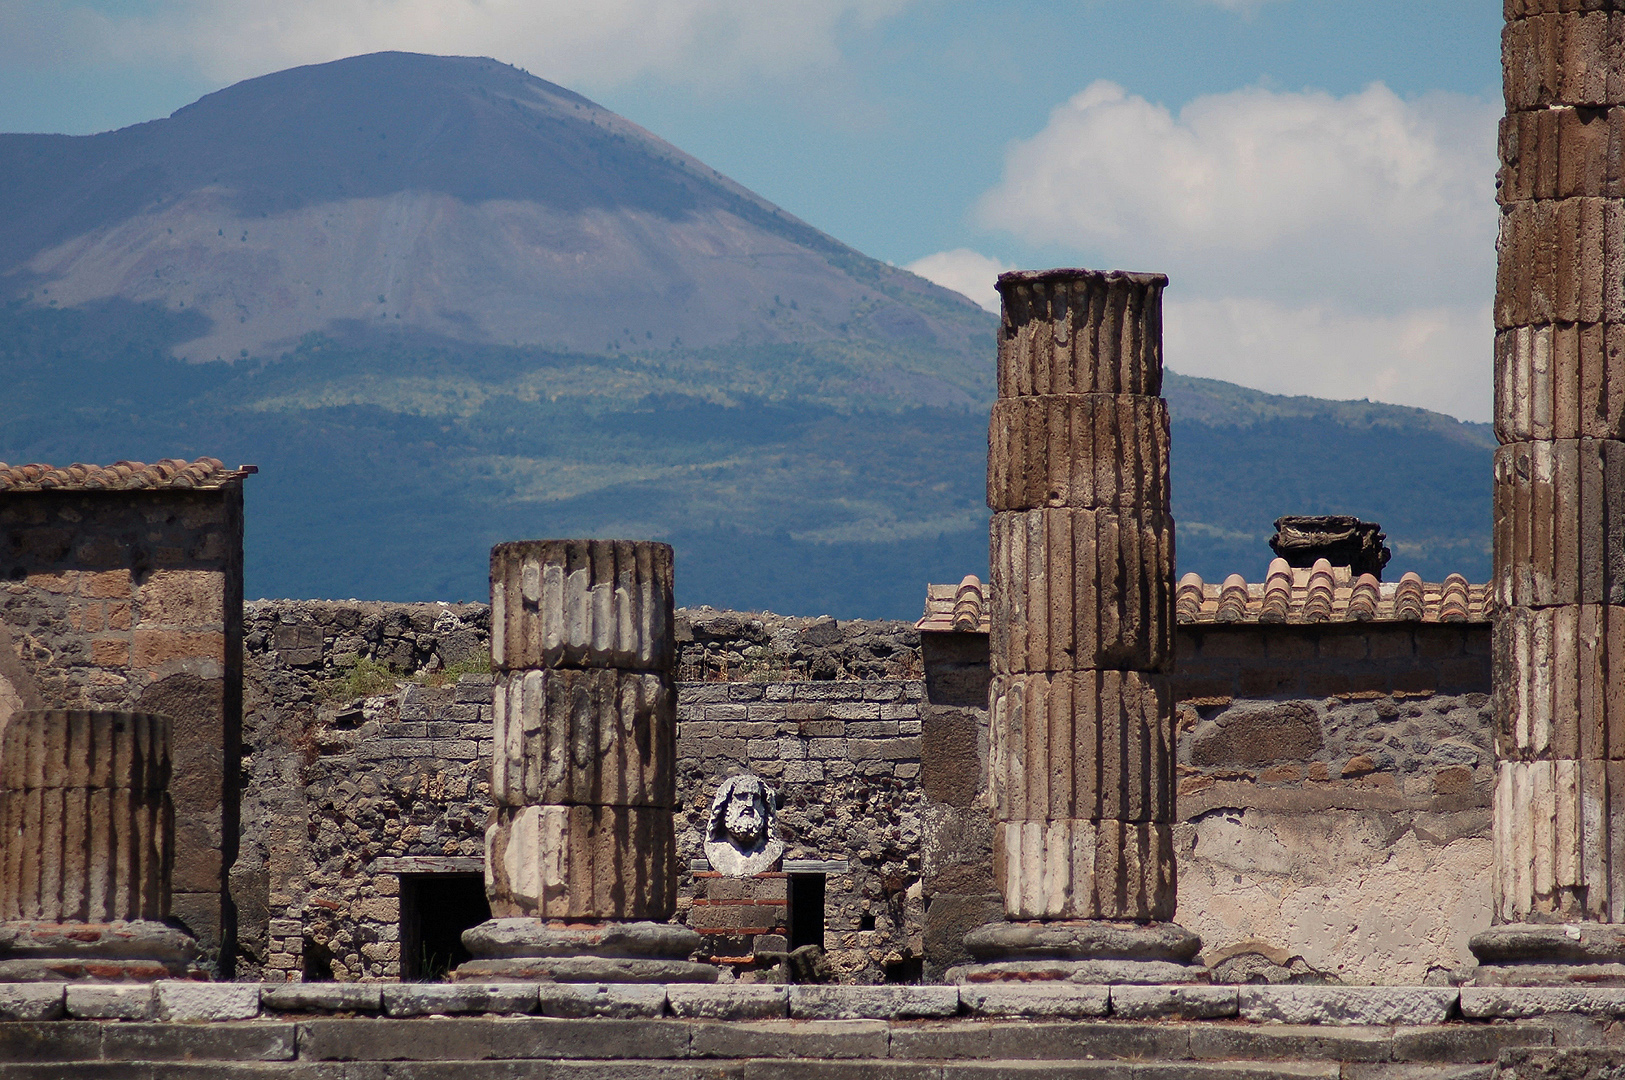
<point x="89" y="841"/>
<point x="580" y="855"/>
<point x="1560" y="503"/>
<point x="1082" y="559"/>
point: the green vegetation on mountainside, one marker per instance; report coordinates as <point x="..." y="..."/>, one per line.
<point x="794" y="478"/>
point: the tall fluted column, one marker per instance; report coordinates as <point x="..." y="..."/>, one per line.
<point x="88" y="843"/>
<point x="1082" y="573"/>
<point x="580" y="854"/>
<point x="1560" y="502"/>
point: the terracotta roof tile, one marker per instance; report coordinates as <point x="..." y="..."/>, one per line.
<point x="170" y="473"/>
<point x="1322" y="593"/>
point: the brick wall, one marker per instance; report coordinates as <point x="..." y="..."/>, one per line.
<point x="132" y="600"/>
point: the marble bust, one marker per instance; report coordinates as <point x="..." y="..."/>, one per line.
<point x="740" y="838"/>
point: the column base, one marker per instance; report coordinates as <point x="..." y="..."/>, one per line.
<point x="546" y="950"/>
<point x="1082" y="951"/>
<point x="132" y="951"/>
<point x="1550" y="954"/>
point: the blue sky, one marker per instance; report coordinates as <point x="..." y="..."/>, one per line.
<point x="1316" y="177"/>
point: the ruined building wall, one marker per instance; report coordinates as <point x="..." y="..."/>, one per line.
<point x="1334" y="783"/>
<point x="131" y="600"/>
<point x="346" y="796"/>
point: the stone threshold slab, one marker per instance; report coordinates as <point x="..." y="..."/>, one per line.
<point x="183" y="1001"/>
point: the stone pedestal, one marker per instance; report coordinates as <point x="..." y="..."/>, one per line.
<point x="738" y="917"/>
<point x="1559" y="536"/>
<point x="580" y="856"/>
<point x="1082" y="560"/>
<point x="89" y="840"/>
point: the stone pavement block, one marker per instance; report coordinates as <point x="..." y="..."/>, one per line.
<point x="1346" y="1004"/>
<point x="1466" y="1042"/>
<point x="51" y="1040"/>
<point x="30" y="1001"/>
<point x="1399" y="1070"/>
<point x="1022" y="1000"/>
<point x="110" y="1001"/>
<point x="1237" y="1070"/>
<point x="428" y="999"/>
<point x="728" y="1002"/>
<point x="841" y="1070"/>
<point x="1066" y="1040"/>
<point x="184" y="1001"/>
<point x="197" y="1042"/>
<point x="872" y="1002"/>
<point x="636" y="1070"/>
<point x="1514" y="1002"/>
<point x="1173" y="1002"/>
<point x="1037" y="1070"/>
<point x="822" y="1039"/>
<point x="483" y="1038"/>
<point x="620" y="1000"/>
<point x="1290" y="1043"/>
<point x="322" y="997"/>
<point x="203" y="1070"/>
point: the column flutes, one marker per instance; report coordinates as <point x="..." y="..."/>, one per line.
<point x="1559" y="484"/>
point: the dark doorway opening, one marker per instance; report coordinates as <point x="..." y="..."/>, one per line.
<point x="435" y="910"/>
<point x="806" y="910"/>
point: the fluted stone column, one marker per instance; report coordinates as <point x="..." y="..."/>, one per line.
<point x="88" y="842"/>
<point x="1559" y="802"/>
<point x="1082" y="561"/>
<point x="580" y="854"/>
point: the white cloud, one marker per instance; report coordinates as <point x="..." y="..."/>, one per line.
<point x="588" y="45"/>
<point x="966" y="272"/>
<point x="1437" y="358"/>
<point x="1361" y="218"/>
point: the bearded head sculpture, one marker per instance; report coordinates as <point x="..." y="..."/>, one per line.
<point x="741" y="837"/>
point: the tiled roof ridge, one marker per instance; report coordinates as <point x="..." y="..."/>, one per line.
<point x="1319" y="594"/>
<point x="170" y="473"/>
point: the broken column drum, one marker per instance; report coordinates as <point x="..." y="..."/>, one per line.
<point x="89" y="838"/>
<point x="580" y="854"/>
<point x="1082" y="560"/>
<point x="1559" y="483"/>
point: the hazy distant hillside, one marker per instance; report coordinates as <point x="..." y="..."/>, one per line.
<point x="476" y="307"/>
<point x="404" y="199"/>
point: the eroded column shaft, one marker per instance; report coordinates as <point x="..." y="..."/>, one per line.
<point x="1081" y="550"/>
<point x="88" y="828"/>
<point x="583" y="771"/>
<point x="1560" y="471"/>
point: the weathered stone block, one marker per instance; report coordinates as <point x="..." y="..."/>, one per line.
<point x="1080" y="451"/>
<point x="113" y="1001"/>
<point x="1052" y="1042"/>
<point x="622" y="1000"/>
<point x="1080" y="332"/>
<point x="1346" y="1004"/>
<point x="1059" y="869"/>
<point x="199" y="1042"/>
<point x="1556" y="262"/>
<point x="1301" y="1043"/>
<point x="1560" y="523"/>
<point x="1561" y="153"/>
<point x="30" y="1001"/>
<point x="1081" y="744"/>
<point x="429" y="999"/>
<point x="582" y="603"/>
<point x="1562" y="53"/>
<point x="1075" y="589"/>
<point x="1524" y="1002"/>
<point x="470" y="1038"/>
<point x="600" y="737"/>
<point x="1557" y="691"/>
<point x="820" y="1040"/>
<point x="592" y="862"/>
<point x="1016" y="1000"/>
<point x="322" y="997"/>
<point x="872" y="1002"/>
<point x="84" y="795"/>
<point x="1173" y="1002"/>
<point x="732" y="1001"/>
<point x="184" y="1001"/>
<point x="1559" y="827"/>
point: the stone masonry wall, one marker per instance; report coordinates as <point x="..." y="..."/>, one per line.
<point x="129" y="600"/>
<point x="336" y="786"/>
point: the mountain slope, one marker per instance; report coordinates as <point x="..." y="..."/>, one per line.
<point x="477" y="307"/>
<point x="399" y="198"/>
